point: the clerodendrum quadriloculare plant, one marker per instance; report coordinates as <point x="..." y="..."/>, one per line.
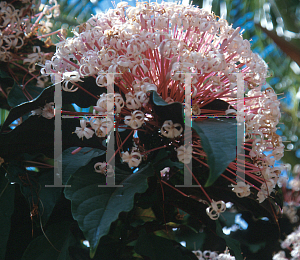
<point x="149" y="49"/>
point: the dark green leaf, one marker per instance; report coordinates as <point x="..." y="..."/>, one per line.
<point x="161" y="161"/>
<point x="165" y="111"/>
<point x="34" y="190"/>
<point x="6" y="80"/>
<point x="230" y="242"/>
<point x="72" y="162"/>
<point x="96" y="208"/>
<point x="216" y="104"/>
<point x="46" y="96"/>
<point x="7" y="192"/>
<point x="35" y="135"/>
<point x="218" y="139"/>
<point x="159" y="248"/>
<point x="16" y="95"/>
<point x="279" y="196"/>
<point x="60" y="237"/>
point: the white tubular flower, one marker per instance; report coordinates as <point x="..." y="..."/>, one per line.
<point x="241" y="189"/>
<point x="105" y="126"/>
<point x="119" y="103"/>
<point x="164" y="171"/>
<point x="132" y="102"/>
<point x="136" y="119"/>
<point x="295" y="184"/>
<point x="100" y="167"/>
<point x="209" y="254"/>
<point x="70" y="77"/>
<point x="225" y="257"/>
<point x="104" y="168"/>
<point x="48" y="110"/>
<point x="34" y="58"/>
<point x="101" y="106"/>
<point x="262" y="195"/>
<point x="215" y="209"/>
<point x="171" y="130"/>
<point x="83" y="131"/>
<point x="198" y="253"/>
<point x="280" y="256"/>
<point x="184" y="155"/>
<point x="291" y="212"/>
<point x="230" y="111"/>
<point x="141" y="96"/>
<point x="196" y="110"/>
<point x="133" y="159"/>
<point x="36" y="112"/>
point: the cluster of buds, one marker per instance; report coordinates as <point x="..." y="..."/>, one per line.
<point x="209" y="255"/>
<point x="149" y="48"/>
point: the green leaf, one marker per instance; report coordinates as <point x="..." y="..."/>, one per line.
<point x="35" y="135"/>
<point x="7" y="195"/>
<point x="141" y="216"/>
<point x="96" y="208"/>
<point x="230" y="242"/>
<point x="6" y="80"/>
<point x="16" y="96"/>
<point x="160" y="161"/>
<point x="165" y="111"/>
<point x="159" y="248"/>
<point x="34" y="190"/>
<point x="218" y="139"/>
<point x="60" y="237"/>
<point x="3" y="115"/>
<point x="46" y="96"/>
<point x="72" y="162"/>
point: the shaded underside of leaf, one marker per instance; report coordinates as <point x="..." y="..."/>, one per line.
<point x="95" y="208"/>
<point x="60" y="237"/>
<point x="16" y="95"/>
<point x="34" y="190"/>
<point x="159" y="248"/>
<point x="165" y="111"/>
<point x="46" y="96"/>
<point x="219" y="141"/>
<point x="72" y="162"/>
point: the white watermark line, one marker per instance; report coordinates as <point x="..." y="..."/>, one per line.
<point x="57" y="135"/>
<point x="188" y="180"/>
<point x="110" y="152"/>
<point x="79" y="116"/>
<point x="216" y="116"/>
<point x="240" y="127"/>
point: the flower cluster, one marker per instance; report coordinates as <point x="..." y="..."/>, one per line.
<point x="292" y="242"/>
<point x="290" y="210"/>
<point x="149" y="48"/>
<point x="47" y="111"/>
<point x="209" y="255"/>
<point x="261" y="121"/>
<point x="16" y="27"/>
